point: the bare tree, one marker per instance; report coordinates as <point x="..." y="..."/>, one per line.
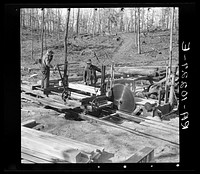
<point x="142" y="16"/>
<point x="170" y="60"/>
<point x="131" y="14"/>
<point x="135" y="20"/>
<point x="42" y="34"/>
<point x="65" y="48"/>
<point x="138" y="32"/>
<point x="94" y="21"/>
<point x="31" y="33"/>
<point x="77" y="21"/>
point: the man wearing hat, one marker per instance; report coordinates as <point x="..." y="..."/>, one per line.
<point x="89" y="74"/>
<point x="45" y="68"/>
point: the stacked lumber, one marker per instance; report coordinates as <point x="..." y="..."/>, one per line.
<point x="42" y="147"/>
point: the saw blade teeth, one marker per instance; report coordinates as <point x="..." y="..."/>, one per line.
<point x="123" y="98"/>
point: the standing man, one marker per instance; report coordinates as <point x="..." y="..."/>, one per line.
<point x="45" y="68"/>
<point x="89" y="74"/>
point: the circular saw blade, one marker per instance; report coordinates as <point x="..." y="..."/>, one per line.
<point x="123" y="98"/>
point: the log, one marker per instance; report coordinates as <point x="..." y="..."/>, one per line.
<point x="135" y="71"/>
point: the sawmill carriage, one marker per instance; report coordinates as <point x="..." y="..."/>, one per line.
<point x="125" y="93"/>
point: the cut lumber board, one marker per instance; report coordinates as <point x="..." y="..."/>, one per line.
<point x="49" y="102"/>
<point x="32" y="153"/>
<point x="24" y="161"/>
<point x="34" y="159"/>
<point x="143" y="124"/>
<point x="88" y="148"/>
<point x="129" y="128"/>
<point x="85" y="88"/>
<point x="29" y="123"/>
<point x="149" y="121"/>
<point x="59" y="147"/>
<point x="78" y="96"/>
<point x="159" y="128"/>
<point x="145" y="155"/>
<point x="142" y="101"/>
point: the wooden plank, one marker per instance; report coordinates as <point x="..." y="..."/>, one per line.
<point x="24" y="161"/>
<point x="55" y="149"/>
<point x="145" y="155"/>
<point x="142" y="122"/>
<point x="48" y="158"/>
<point x="46" y="102"/>
<point x="128" y="129"/>
<point x="85" y="88"/>
<point x="142" y="101"/>
<point x="33" y="158"/>
<point x="67" y="142"/>
<point x="78" y="96"/>
<point x="29" y="123"/>
<point x="148" y="120"/>
<point x="159" y="127"/>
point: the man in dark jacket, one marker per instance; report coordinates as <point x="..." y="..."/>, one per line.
<point x="45" y="68"/>
<point x="89" y="74"/>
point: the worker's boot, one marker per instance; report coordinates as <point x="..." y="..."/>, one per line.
<point x="45" y="92"/>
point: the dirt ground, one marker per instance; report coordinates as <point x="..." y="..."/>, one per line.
<point x="118" y="144"/>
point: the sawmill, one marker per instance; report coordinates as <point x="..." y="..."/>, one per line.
<point x="115" y="97"/>
<point x="121" y="92"/>
<point x="129" y="103"/>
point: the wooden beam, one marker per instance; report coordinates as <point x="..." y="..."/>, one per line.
<point x="145" y="155"/>
<point x="150" y="121"/>
<point x="59" y="147"/>
<point x="35" y="156"/>
<point x="29" y="123"/>
<point x="85" y="88"/>
<point x="24" y="161"/>
<point x="128" y="129"/>
<point x="49" y="102"/>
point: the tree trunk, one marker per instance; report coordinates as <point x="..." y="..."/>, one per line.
<point x="138" y="32"/>
<point x="65" y="48"/>
<point x="171" y="36"/>
<point x="142" y="27"/>
<point x="42" y="32"/>
<point x="94" y="22"/>
<point x="99" y="16"/>
<point x="53" y="20"/>
<point x="147" y="20"/>
<point x="152" y="19"/>
<point x="131" y="10"/>
<point x="21" y="27"/>
<point x="135" y="21"/>
<point x="59" y="22"/>
<point x="170" y="57"/>
<point x="31" y="35"/>
<point x="77" y="22"/>
<point x="45" y="37"/>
